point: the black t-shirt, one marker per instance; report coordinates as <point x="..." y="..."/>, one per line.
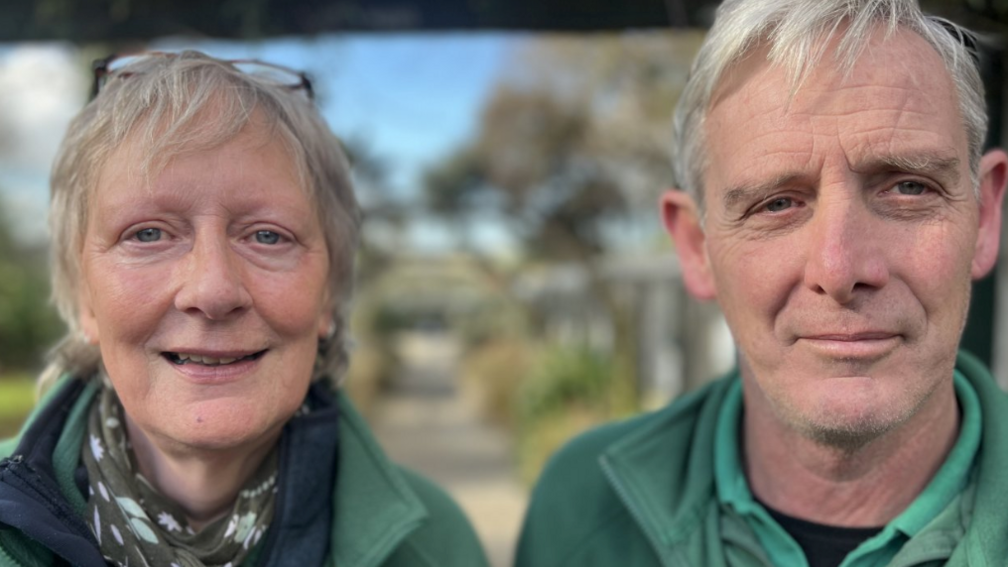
<point x="824" y="546"/>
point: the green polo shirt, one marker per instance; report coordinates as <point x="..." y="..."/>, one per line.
<point x="877" y="551"/>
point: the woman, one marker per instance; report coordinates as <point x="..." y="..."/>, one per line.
<point x="204" y="228"/>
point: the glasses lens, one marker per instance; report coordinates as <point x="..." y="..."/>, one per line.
<point x="272" y="74"/>
<point x="131" y="63"/>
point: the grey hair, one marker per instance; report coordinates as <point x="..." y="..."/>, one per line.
<point x="796" y="33"/>
<point x="171" y="104"/>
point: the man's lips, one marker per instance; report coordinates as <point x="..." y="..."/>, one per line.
<point x="863" y="345"/>
<point x="851" y="337"/>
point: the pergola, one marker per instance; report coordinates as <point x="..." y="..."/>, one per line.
<point x="124" y="20"/>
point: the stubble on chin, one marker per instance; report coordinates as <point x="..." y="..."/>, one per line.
<point x="846" y="422"/>
<point x="847" y="437"/>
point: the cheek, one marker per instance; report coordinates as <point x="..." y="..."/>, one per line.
<point x="753" y="280"/>
<point x="126" y="302"/>
<point x="292" y="306"/>
<point x="937" y="267"/>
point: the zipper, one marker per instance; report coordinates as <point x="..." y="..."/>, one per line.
<point x="23" y="472"/>
<point x="18" y="468"/>
<point x="11" y="460"/>
<point x="5" y="557"/>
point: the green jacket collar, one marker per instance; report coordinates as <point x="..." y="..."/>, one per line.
<point x="664" y="471"/>
<point x="947" y="485"/>
<point x="986" y="539"/>
<point x="375" y="508"/>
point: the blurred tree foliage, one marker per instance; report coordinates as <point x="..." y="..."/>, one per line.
<point x="571" y="150"/>
<point x="573" y="143"/>
<point x="28" y="324"/>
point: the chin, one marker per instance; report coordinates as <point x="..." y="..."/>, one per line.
<point x="221" y="425"/>
<point x="848" y="435"/>
<point x="849" y="420"/>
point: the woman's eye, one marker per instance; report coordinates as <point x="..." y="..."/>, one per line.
<point x="910" y="188"/>
<point x="267" y="237"/>
<point x="148" y="235"/>
<point x="779" y="204"/>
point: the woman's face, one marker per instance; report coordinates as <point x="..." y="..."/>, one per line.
<point x="206" y="290"/>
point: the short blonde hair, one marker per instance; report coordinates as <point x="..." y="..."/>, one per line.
<point x="181" y="102"/>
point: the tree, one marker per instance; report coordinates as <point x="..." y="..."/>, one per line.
<point x="571" y="148"/>
<point x="28" y="323"/>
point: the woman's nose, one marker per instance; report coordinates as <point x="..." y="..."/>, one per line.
<point x="212" y="281"/>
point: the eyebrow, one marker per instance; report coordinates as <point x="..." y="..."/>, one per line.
<point x="742" y="193"/>
<point x="923" y="163"/>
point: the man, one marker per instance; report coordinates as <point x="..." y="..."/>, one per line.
<point x="836" y="203"/>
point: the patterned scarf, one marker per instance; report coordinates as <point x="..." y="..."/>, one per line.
<point x="122" y="503"/>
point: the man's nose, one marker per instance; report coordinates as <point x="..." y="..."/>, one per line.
<point x="846" y="253"/>
<point x="212" y="280"/>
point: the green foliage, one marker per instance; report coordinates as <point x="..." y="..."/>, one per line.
<point x="566" y="376"/>
<point x="492" y="371"/>
<point x="570" y="390"/>
<point x="28" y="324"/>
<point x="17" y="397"/>
<point x="572" y="145"/>
<point x="533" y="164"/>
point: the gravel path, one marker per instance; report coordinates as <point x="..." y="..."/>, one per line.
<point x="424" y="423"/>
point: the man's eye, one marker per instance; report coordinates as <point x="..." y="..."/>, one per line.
<point x="779" y="204"/>
<point x="148" y="235"/>
<point x="267" y="237"/>
<point x="910" y="188"/>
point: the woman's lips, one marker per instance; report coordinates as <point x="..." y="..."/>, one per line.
<point x="208" y="359"/>
<point x="213" y="368"/>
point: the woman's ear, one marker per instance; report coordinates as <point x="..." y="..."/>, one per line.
<point x="86" y="316"/>
<point x="682" y="221"/>
<point x="993" y="177"/>
<point x="326" y="325"/>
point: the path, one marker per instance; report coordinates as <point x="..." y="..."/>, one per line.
<point x="424" y="423"/>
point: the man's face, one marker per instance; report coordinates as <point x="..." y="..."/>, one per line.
<point x="842" y="233"/>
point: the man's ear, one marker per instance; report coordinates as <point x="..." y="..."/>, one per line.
<point x="682" y="221"/>
<point x="993" y="177"/>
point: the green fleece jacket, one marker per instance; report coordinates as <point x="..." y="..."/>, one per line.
<point x="385" y="516"/>
<point x="641" y="493"/>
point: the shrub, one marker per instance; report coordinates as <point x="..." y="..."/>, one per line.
<point x="17" y="397"/>
<point x="569" y="391"/>
<point x="492" y="373"/>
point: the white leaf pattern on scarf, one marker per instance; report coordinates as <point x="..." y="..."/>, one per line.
<point x="124" y="504"/>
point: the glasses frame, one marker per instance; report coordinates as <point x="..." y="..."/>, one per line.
<point x="103" y="72"/>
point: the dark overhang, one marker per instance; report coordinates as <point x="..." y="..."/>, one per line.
<point x="86" y="21"/>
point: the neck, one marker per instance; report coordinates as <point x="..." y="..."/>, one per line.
<point x="862" y="486"/>
<point x="205" y="483"/>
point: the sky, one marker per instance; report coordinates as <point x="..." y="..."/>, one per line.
<point x="410" y="98"/>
